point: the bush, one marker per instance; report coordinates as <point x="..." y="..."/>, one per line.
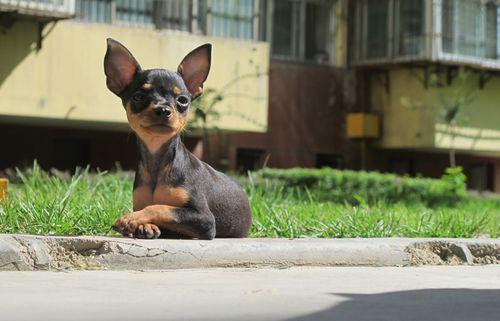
<point x="354" y="187"/>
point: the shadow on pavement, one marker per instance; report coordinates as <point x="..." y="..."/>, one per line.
<point x="415" y="305"/>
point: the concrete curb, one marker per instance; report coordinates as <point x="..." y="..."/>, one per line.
<point x="32" y="252"/>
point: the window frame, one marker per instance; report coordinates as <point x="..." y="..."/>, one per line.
<point x="393" y="34"/>
<point x="128" y="23"/>
<point x="456" y="57"/>
<point x="298" y="38"/>
<point x="255" y="21"/>
<point x="198" y="21"/>
<point x="433" y="40"/>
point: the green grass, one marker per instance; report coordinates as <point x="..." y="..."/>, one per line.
<point x="88" y="203"/>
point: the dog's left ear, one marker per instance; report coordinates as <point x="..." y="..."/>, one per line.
<point x="194" y="69"/>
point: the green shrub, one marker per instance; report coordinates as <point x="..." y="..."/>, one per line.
<point x="351" y="186"/>
<point x="456" y="179"/>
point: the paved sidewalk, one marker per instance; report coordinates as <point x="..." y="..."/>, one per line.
<point x="459" y="293"/>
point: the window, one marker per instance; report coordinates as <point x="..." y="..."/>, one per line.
<point x="222" y="18"/>
<point x="135" y="11"/>
<point x="470" y="28"/>
<point x="491" y="30"/>
<point x="447" y="23"/>
<point x="284" y="29"/>
<point x="398" y="31"/>
<point x="329" y="160"/>
<point x="172" y="15"/>
<point x="410" y="27"/>
<point x="317" y="32"/>
<point x="302" y="29"/>
<point x="162" y="14"/>
<point x="481" y="177"/>
<point x="249" y="159"/>
<point x="70" y="153"/>
<point x="468" y="31"/>
<point x="390" y="29"/>
<point x="94" y="10"/>
<point x="232" y="18"/>
<point x="376" y="28"/>
<point x="402" y="166"/>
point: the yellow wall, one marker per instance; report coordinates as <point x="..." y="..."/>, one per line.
<point x="479" y="128"/>
<point x="65" y="79"/>
<point x="411" y="113"/>
<point x="407" y="118"/>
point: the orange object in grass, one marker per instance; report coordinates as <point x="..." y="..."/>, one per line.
<point x="4" y="184"/>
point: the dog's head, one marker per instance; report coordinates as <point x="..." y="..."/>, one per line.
<point x="156" y="100"/>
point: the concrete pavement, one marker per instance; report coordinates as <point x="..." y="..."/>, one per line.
<point x="451" y="293"/>
<point x="32" y="252"/>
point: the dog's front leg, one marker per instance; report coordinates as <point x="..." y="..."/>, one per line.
<point x="148" y="222"/>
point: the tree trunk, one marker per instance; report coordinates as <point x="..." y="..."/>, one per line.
<point x="206" y="144"/>
<point x="452" y="158"/>
<point x="453" y="163"/>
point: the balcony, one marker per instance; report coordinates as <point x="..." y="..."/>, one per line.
<point x="38" y="9"/>
<point x="453" y="32"/>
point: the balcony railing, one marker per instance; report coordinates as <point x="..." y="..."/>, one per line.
<point x="39" y="8"/>
<point x="448" y="31"/>
<point x="222" y="18"/>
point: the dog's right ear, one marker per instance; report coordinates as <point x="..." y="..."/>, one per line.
<point x="119" y="66"/>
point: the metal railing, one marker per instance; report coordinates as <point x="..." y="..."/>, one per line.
<point x="450" y="31"/>
<point x="223" y="18"/>
<point x="39" y="7"/>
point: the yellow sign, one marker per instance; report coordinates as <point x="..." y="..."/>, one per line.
<point x="361" y="125"/>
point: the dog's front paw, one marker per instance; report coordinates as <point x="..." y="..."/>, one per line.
<point x="136" y="225"/>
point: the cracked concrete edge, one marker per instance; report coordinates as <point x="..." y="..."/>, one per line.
<point x="32" y="252"/>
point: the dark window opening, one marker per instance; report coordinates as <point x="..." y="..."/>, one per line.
<point x="71" y="153"/>
<point x="376" y="28"/>
<point x="402" y="166"/>
<point x="411" y="21"/>
<point x="316" y="28"/>
<point x="491" y="30"/>
<point x="329" y="160"/>
<point x="283" y="29"/>
<point x="481" y="177"/>
<point x="249" y="159"/>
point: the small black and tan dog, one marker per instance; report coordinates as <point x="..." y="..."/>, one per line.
<point x="175" y="194"/>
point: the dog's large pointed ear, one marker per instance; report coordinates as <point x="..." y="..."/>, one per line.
<point x="194" y="69"/>
<point x="119" y="66"/>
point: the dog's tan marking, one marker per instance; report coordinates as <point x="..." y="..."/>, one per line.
<point x="146" y="86"/>
<point x="159" y="215"/>
<point x="154" y="139"/>
<point x="163" y="194"/>
<point x="143" y="195"/>
<point x="172" y="196"/>
<point x="176" y="90"/>
<point x="166" y="170"/>
<point x="162" y="216"/>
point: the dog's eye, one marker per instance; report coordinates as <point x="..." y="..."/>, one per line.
<point x="182" y="102"/>
<point x="138" y="97"/>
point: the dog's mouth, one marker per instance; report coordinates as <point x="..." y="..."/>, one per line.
<point x="157" y="127"/>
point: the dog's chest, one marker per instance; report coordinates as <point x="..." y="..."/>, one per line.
<point x="161" y="193"/>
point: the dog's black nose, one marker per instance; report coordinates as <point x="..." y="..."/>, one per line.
<point x="162" y="111"/>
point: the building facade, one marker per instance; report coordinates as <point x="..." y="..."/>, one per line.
<point x="54" y="104"/>
<point x="388" y="85"/>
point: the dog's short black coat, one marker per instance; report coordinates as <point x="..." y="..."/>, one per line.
<point x="175" y="194"/>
